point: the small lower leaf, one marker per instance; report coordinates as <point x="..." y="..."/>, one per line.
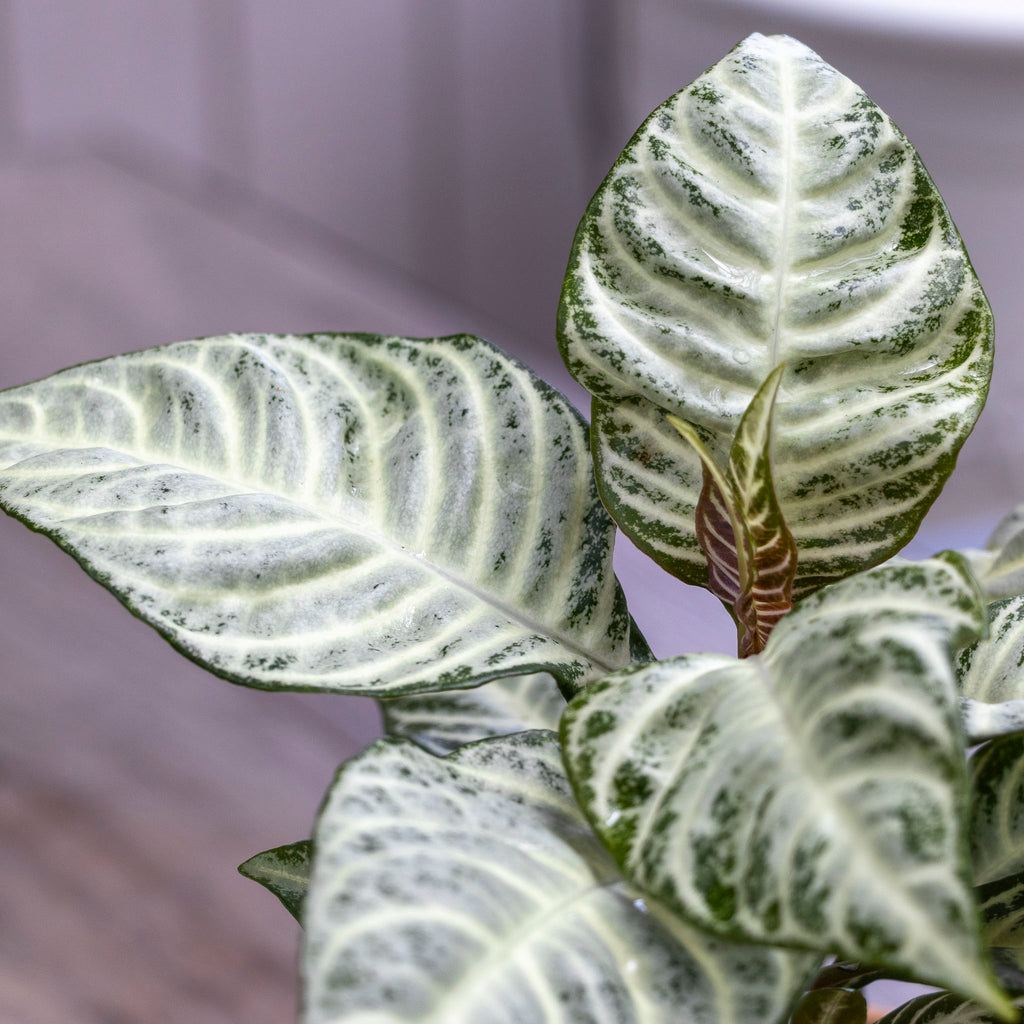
<point x="831" y="1006"/>
<point x="469" y="890"/>
<point x="285" y="872"/>
<point x="843" y="974"/>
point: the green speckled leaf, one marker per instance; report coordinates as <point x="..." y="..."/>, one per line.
<point x="337" y="512"/>
<point x="938" y="1008"/>
<point x="469" y="890"/>
<point x="943" y="1008"/>
<point x="285" y="871"/>
<point x="771" y="213"/>
<point x="997" y="838"/>
<point x="990" y="675"/>
<point x="810" y="795"/>
<point x="997" y="810"/>
<point x="441" y="722"/>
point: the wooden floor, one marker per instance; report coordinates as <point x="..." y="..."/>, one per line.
<point x="131" y="783"/>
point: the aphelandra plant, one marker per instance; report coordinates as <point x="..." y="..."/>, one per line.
<point x="786" y="347"/>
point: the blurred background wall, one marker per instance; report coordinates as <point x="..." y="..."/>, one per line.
<point x="178" y="168"/>
<point x="456" y="141"/>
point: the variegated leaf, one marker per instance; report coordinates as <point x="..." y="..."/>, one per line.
<point x="810" y="795"/>
<point x="441" y="722"/>
<point x="469" y="889"/>
<point x="944" y="1008"/>
<point x="997" y="838"/>
<point x="1002" y="908"/>
<point x="336" y="512"/>
<point x="991" y="675"/>
<point x="771" y="213"/>
<point x="750" y="552"/>
<point x="1000" y="566"/>
<point x="997" y="810"/>
<point x="285" y="872"/>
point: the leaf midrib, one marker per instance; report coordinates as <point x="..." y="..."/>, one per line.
<point x="782" y="266"/>
<point x="239" y="488"/>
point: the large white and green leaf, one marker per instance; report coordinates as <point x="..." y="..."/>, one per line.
<point x="441" y="722"/>
<point x="771" y="213"/>
<point x="991" y="675"/>
<point x="335" y="512"/>
<point x="469" y="888"/>
<point x="811" y="795"/>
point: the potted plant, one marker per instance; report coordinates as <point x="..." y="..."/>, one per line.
<point x="786" y="347"/>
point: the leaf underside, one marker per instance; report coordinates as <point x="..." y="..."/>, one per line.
<point x="348" y="513"/>
<point x="770" y="213"/>
<point x="469" y="888"/>
<point x="810" y="795"/>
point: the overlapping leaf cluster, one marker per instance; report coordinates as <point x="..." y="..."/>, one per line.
<point x="786" y="348"/>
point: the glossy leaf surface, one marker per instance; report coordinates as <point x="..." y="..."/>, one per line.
<point x="771" y="213"/>
<point x="810" y="795"/>
<point x="285" y="871"/>
<point x="469" y="888"/>
<point x="441" y="722"/>
<point x="336" y="512"/>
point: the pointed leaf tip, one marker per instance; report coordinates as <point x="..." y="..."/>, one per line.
<point x="285" y="872"/>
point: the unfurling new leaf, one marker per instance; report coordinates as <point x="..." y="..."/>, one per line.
<point x="752" y="560"/>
